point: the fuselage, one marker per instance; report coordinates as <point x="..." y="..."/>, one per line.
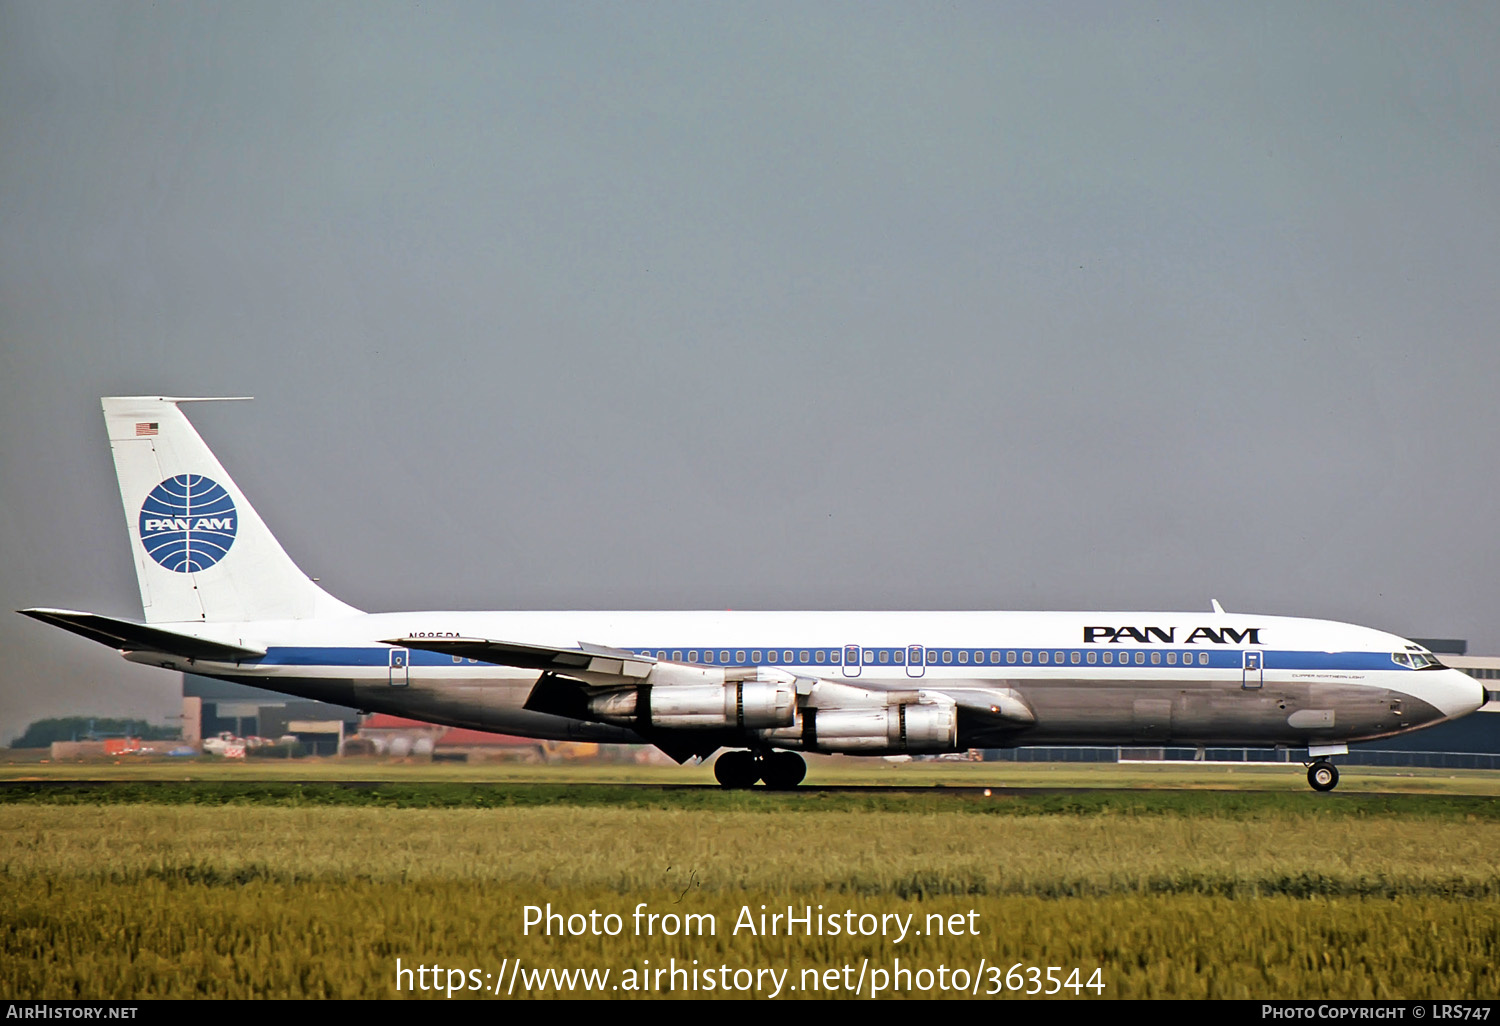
<point x="1078" y="678"/>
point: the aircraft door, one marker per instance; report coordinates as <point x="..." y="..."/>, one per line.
<point x="400" y="675"/>
<point x="1254" y="675"/>
<point x="851" y="660"/>
<point x="916" y="661"/>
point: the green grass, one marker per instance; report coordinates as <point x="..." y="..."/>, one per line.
<point x="822" y="771"/>
<point x="459" y="795"/>
<point x="1322" y="897"/>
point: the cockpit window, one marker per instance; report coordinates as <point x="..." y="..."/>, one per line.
<point x="1424" y="661"/>
<point x="1401" y="658"/>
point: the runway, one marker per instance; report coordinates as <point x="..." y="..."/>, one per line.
<point x="102" y="787"/>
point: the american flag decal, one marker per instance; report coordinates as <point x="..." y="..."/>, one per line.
<point x="145" y="429"/>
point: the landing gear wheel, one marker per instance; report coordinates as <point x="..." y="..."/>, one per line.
<point x="1323" y="776"/>
<point x="736" y="770"/>
<point x="783" y="771"/>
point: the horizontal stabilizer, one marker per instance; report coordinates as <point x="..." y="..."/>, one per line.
<point x="129" y="636"/>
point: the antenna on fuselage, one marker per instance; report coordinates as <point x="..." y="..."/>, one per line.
<point x="1217" y="608"/>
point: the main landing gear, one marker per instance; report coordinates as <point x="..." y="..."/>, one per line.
<point x="781" y="771"/>
<point x="1322" y="775"/>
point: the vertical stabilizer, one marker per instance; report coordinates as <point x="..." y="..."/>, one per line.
<point x="201" y="551"/>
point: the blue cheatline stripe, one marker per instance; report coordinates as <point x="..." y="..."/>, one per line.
<point x="937" y="658"/>
<point x="1331" y="661"/>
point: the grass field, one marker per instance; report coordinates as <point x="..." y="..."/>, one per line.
<point x="231" y="888"/>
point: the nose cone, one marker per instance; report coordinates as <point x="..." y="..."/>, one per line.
<point x="1455" y="693"/>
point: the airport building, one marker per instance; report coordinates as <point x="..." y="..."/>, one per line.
<point x="211" y="707"/>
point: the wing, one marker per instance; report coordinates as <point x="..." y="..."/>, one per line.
<point x="591" y="660"/>
<point x="688" y="709"/>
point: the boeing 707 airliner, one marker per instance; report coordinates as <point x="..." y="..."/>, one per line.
<point x="221" y="598"/>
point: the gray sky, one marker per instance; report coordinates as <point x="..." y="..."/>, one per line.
<point x="761" y="306"/>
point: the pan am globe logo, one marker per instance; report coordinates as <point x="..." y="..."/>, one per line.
<point x="188" y="523"/>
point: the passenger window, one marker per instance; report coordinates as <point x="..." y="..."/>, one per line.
<point x="963" y="655"/>
<point x="1073" y="658"/>
<point x="1041" y="657"/>
<point x="900" y="657"/>
<point x="677" y="654"/>
<point x="1171" y="658"/>
<point x="755" y="656"/>
<point x="819" y="655"/>
<point x="1010" y="656"/>
<point x="1026" y="657"/>
<point x="693" y="656"/>
<point x="458" y="659"/>
<point x="947" y="655"/>
<point x="885" y="655"/>
<point x="1155" y="658"/>
<point x="1140" y="658"/>
<point x="869" y="655"/>
<point x="1202" y="658"/>
<point x="1093" y="658"/>
<point x="1109" y="659"/>
<point x="995" y="658"/>
<point x="802" y="655"/>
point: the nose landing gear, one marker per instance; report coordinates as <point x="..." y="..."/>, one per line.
<point x="781" y="771"/>
<point x="1323" y="775"/>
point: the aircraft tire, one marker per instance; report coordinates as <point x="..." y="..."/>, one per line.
<point x="1323" y="776"/>
<point x="736" y="770"/>
<point x="783" y="771"/>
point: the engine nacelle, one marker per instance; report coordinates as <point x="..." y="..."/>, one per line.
<point x="893" y="729"/>
<point x="748" y="705"/>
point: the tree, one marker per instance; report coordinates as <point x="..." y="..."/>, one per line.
<point x="42" y="733"/>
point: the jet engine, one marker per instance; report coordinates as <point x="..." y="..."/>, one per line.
<point x="746" y="705"/>
<point x="908" y="727"/>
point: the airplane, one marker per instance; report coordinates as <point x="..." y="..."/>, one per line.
<point x="221" y="598"/>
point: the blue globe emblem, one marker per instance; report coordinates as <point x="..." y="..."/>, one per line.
<point x="188" y="523"/>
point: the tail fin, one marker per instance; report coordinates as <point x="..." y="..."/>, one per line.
<point x="201" y="551"/>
